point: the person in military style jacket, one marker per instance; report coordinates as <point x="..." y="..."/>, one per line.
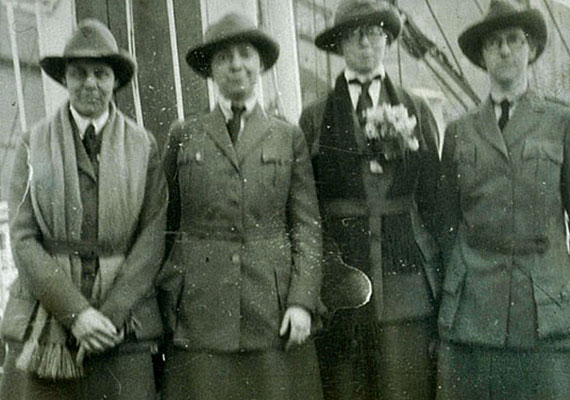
<point x="245" y="263"/>
<point x="505" y="312"/>
<point x="375" y="214"/>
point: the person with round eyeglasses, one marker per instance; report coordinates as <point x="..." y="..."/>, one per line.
<point x="376" y="213"/>
<point x="504" y="319"/>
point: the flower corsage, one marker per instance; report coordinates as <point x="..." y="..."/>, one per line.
<point x="390" y="134"/>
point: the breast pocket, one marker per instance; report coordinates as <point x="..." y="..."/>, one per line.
<point x="190" y="162"/>
<point x="466" y="160"/>
<point x="275" y="167"/>
<point x="543" y="160"/>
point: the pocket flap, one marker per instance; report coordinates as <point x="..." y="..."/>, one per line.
<point x="186" y="156"/>
<point x="466" y="153"/>
<point x="271" y="154"/>
<point x="547" y="150"/>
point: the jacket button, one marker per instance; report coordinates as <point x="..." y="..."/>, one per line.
<point x="236" y="259"/>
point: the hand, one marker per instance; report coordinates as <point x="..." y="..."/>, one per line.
<point x="297" y="321"/>
<point x="94" y="331"/>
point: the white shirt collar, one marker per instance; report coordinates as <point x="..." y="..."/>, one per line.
<point x="226" y="106"/>
<point x="374" y="90"/>
<point x="350" y="74"/>
<point x="83" y="122"/>
<point x="497" y="95"/>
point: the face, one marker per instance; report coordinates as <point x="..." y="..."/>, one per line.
<point x="236" y="69"/>
<point x="90" y="85"/>
<point x="363" y="48"/>
<point x="506" y="54"/>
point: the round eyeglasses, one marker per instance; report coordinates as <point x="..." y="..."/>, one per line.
<point x="373" y="32"/>
<point x="515" y="41"/>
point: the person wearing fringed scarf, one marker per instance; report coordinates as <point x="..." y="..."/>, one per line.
<point x="374" y="149"/>
<point x="244" y="270"/>
<point x="87" y="206"/>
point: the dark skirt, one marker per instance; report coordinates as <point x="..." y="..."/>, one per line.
<point x="261" y="375"/>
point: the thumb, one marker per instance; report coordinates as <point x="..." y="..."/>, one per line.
<point x="284" y="324"/>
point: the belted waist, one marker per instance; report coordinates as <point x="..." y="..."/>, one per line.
<point x="350" y="208"/>
<point x="519" y="245"/>
<point x="82" y="248"/>
<point x="231" y="234"/>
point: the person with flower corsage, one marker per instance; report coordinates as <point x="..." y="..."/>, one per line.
<point x="374" y="151"/>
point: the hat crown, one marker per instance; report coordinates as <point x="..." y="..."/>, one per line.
<point x="350" y="10"/>
<point x="501" y="8"/>
<point x="230" y="25"/>
<point x="91" y="39"/>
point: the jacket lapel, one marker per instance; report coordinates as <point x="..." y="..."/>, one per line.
<point x="523" y="119"/>
<point x="215" y="125"/>
<point x="254" y="132"/>
<point x="486" y="124"/>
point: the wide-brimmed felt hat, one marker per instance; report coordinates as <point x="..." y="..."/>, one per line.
<point x="92" y="40"/>
<point x="352" y="13"/>
<point x="503" y="14"/>
<point x="232" y="28"/>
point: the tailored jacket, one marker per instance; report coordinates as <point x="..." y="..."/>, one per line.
<point x="503" y="200"/>
<point x="404" y="296"/>
<point x="132" y="298"/>
<point x="248" y="241"/>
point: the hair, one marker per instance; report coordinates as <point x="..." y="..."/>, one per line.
<point x="530" y="38"/>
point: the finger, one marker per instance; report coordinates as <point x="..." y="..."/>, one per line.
<point x="284" y="325"/>
<point x="80" y="355"/>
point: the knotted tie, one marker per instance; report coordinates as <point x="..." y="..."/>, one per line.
<point x="91" y="143"/>
<point x="364" y="100"/>
<point x="504" y="118"/>
<point x="234" y="124"/>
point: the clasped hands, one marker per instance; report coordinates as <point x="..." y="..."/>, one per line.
<point x="296" y="321"/>
<point x="95" y="333"/>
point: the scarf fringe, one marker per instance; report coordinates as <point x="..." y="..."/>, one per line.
<point x="49" y="361"/>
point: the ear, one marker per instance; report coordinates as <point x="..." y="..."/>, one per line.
<point x="116" y="83"/>
<point x="531" y="51"/>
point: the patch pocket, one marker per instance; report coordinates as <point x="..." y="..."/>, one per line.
<point x="466" y="154"/>
<point x="544" y="150"/>
<point x="187" y="156"/>
<point x="272" y="161"/>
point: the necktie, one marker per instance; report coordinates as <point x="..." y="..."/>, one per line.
<point x="91" y="143"/>
<point x="504" y="118"/>
<point x="234" y="124"/>
<point x="364" y="100"/>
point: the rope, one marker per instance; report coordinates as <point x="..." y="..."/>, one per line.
<point x="440" y="78"/>
<point x="175" y="61"/>
<point x="444" y="37"/>
<point x="551" y="13"/>
<point x="479" y="6"/>
<point x="399" y="63"/>
<point x="132" y="51"/>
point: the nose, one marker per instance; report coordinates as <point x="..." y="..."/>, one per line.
<point x="504" y="47"/>
<point x="236" y="60"/>
<point x="90" y="80"/>
<point x="363" y="39"/>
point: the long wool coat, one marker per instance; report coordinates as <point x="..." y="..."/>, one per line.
<point x="248" y="233"/>
<point x="408" y="189"/>
<point x="41" y="280"/>
<point x="504" y="196"/>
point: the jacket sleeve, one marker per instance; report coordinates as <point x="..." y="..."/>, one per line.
<point x="304" y="228"/>
<point x="448" y="214"/>
<point x="426" y="195"/>
<point x="38" y="271"/>
<point x="136" y="279"/>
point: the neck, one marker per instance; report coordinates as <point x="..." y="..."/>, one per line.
<point x="509" y="90"/>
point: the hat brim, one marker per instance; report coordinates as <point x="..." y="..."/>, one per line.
<point x="329" y="40"/>
<point x="200" y="57"/>
<point x="530" y="21"/>
<point x="123" y="66"/>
